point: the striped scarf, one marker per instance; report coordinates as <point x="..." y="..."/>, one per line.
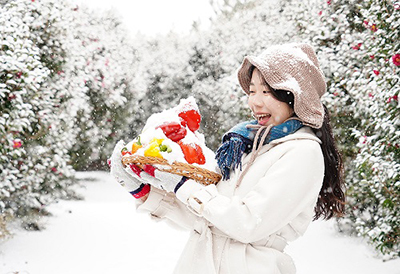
<point x="240" y="139"/>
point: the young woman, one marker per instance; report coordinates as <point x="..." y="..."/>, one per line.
<point x="279" y="172"/>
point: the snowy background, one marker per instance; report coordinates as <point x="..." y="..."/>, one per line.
<point x="75" y="78"/>
<point x="103" y="234"/>
<point x="156" y="17"/>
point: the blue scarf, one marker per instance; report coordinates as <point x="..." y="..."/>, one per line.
<point x="240" y="139"/>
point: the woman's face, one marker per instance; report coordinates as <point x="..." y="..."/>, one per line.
<point x="265" y="107"/>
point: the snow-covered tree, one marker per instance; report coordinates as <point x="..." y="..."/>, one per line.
<point x="65" y="93"/>
<point x="30" y="169"/>
<point x="358" y="44"/>
<point x="101" y="63"/>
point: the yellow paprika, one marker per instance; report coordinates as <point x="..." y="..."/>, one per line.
<point x="158" y="141"/>
<point x="153" y="150"/>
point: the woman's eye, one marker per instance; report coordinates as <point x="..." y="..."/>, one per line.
<point x="251" y="91"/>
<point x="266" y="91"/>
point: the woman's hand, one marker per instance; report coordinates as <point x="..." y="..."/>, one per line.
<point x="159" y="179"/>
<point x="124" y="175"/>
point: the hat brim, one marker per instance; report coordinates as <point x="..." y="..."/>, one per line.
<point x="244" y="75"/>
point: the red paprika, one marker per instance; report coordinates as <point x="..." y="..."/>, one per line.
<point x="178" y="135"/>
<point x="170" y="127"/>
<point x="183" y="123"/>
<point x="193" y="153"/>
<point x="173" y="131"/>
<point x="192" y="118"/>
<point x="125" y="151"/>
<point x="200" y="156"/>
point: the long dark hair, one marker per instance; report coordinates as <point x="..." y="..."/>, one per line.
<point x="331" y="199"/>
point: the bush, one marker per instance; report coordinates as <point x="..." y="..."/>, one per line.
<point x="357" y="42"/>
<point x="65" y="95"/>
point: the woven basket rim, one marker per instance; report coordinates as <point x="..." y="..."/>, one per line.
<point x="199" y="174"/>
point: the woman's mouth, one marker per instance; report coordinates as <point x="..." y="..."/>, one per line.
<point x="262" y="118"/>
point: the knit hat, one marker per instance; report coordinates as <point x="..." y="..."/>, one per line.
<point x="291" y="67"/>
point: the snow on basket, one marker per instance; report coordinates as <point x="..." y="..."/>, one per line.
<point x="170" y="141"/>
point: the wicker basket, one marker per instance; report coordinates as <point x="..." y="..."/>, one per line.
<point x="201" y="175"/>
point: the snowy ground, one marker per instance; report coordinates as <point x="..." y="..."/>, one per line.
<point x="104" y="234"/>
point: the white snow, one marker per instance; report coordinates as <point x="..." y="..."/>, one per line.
<point x="104" y="234"/>
<point x="151" y="131"/>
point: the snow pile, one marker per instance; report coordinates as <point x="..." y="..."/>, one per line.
<point x="173" y="135"/>
<point x="103" y="234"/>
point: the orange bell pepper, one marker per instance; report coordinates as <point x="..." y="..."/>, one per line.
<point x="135" y="147"/>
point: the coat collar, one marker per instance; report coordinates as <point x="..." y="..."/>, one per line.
<point x="304" y="133"/>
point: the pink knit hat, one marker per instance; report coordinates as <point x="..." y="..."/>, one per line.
<point x="295" y="68"/>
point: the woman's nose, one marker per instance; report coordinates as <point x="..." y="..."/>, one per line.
<point x="257" y="100"/>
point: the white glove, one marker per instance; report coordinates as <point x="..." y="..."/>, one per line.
<point x="125" y="175"/>
<point x="134" y="179"/>
<point x="159" y="179"/>
<point x="168" y="181"/>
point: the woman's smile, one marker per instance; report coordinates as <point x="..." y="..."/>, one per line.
<point x="262" y="118"/>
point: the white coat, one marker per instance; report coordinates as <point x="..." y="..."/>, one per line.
<point x="245" y="229"/>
